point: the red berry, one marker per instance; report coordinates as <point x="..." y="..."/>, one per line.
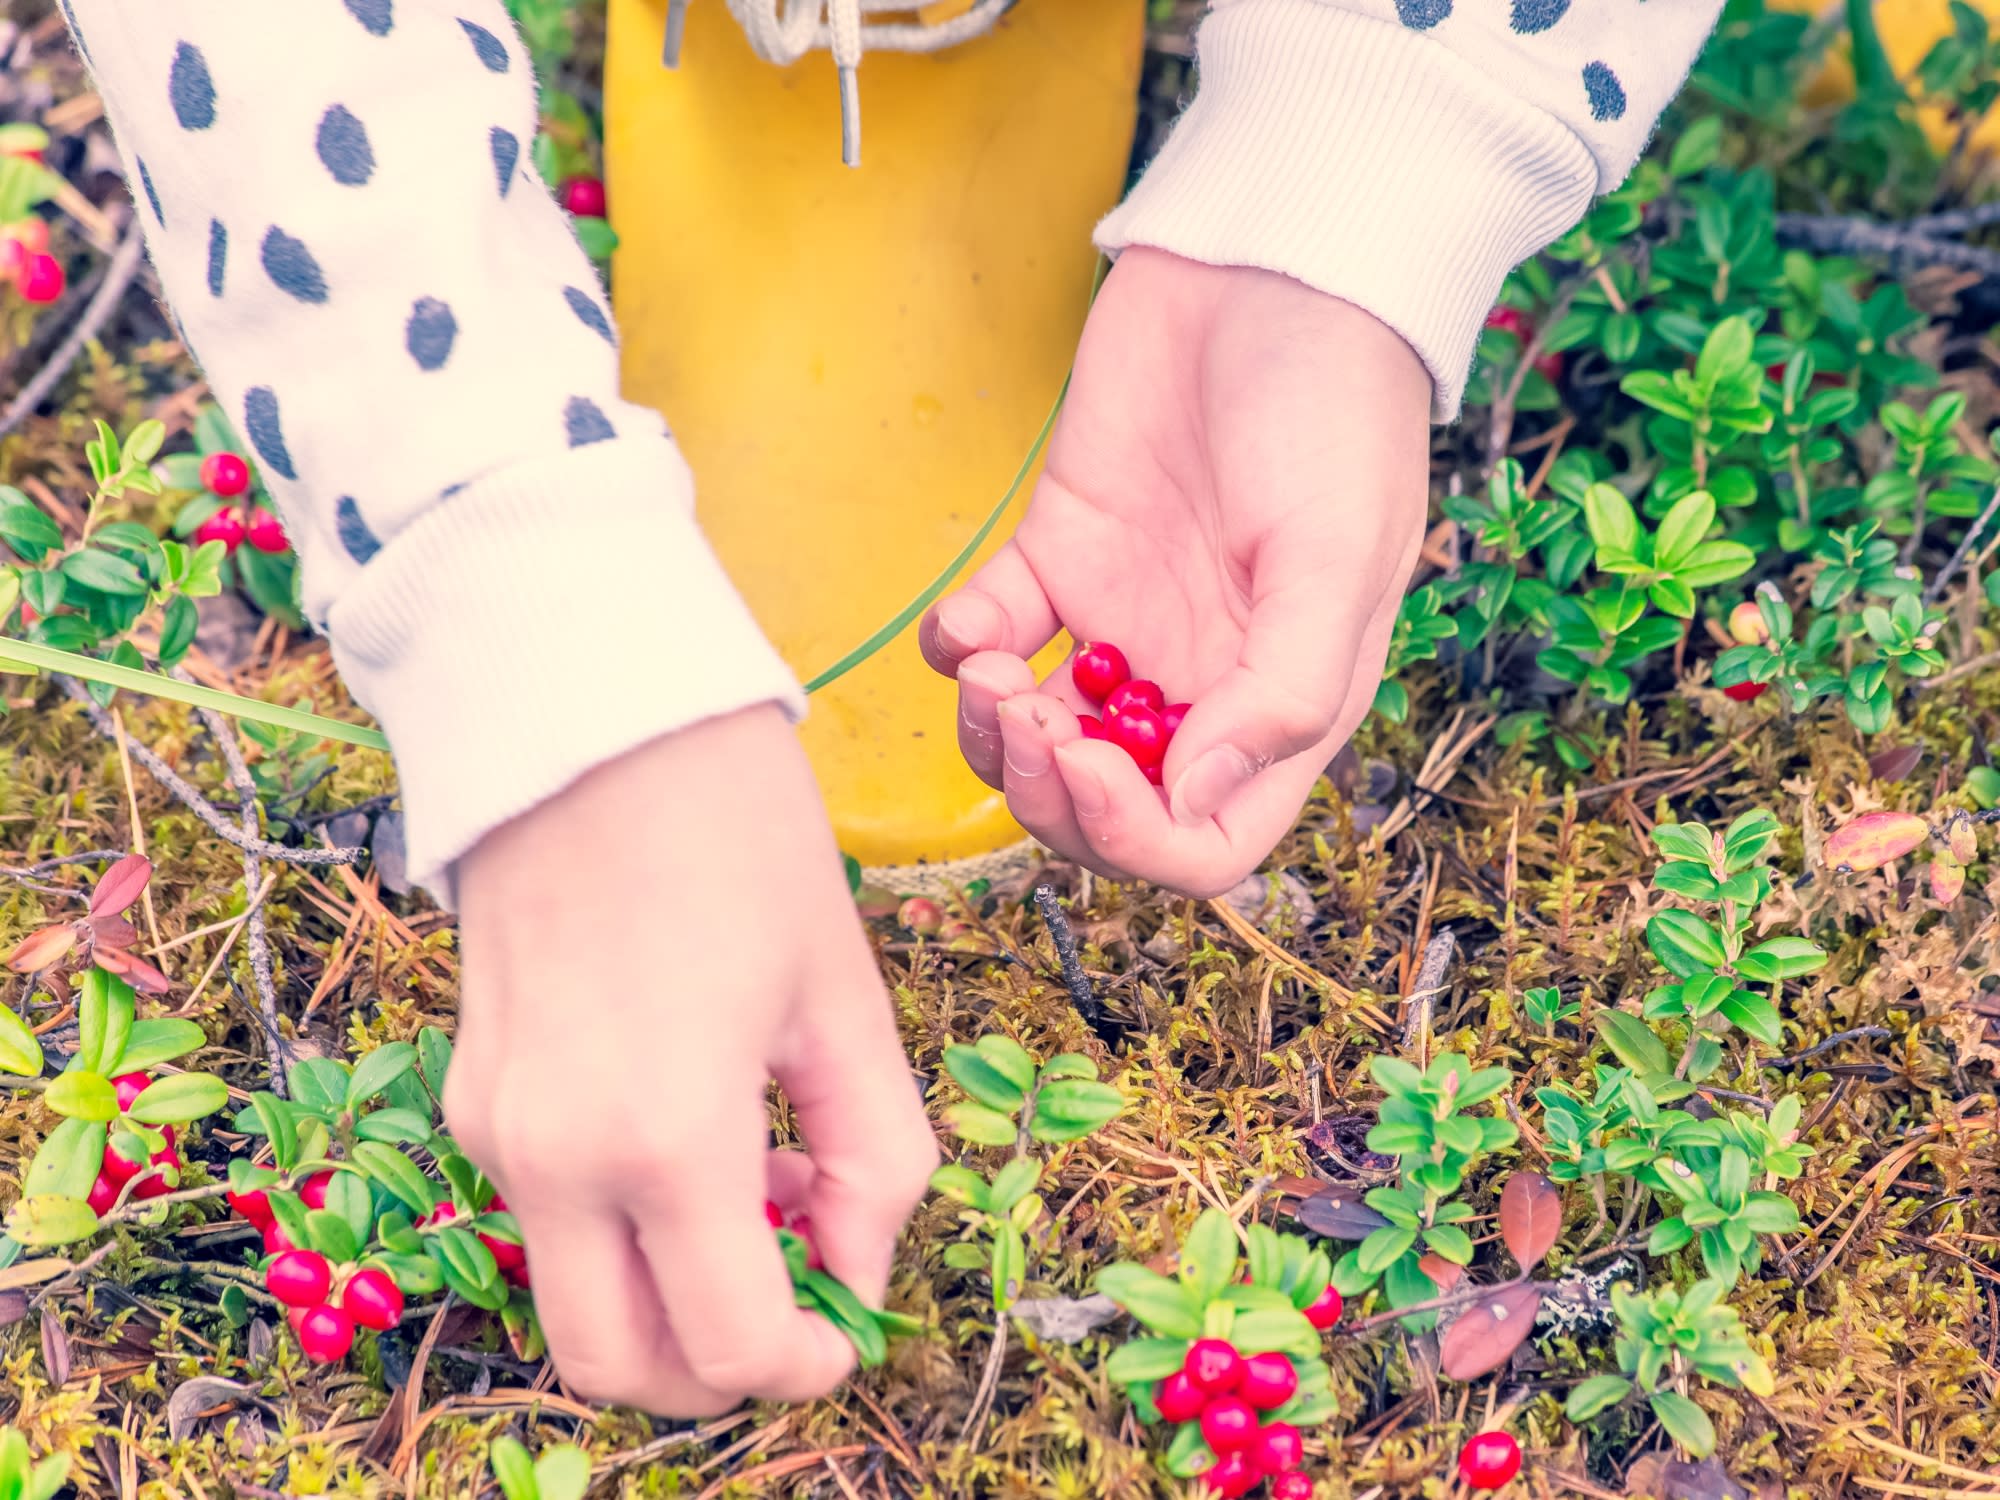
<point x="496" y="1204"/>
<point x="325" y="1333"/>
<point x="1157" y="775"/>
<point x="266" y="532"/>
<point x="372" y="1299"/>
<point x="1745" y="692"/>
<point x="103" y="1193"/>
<point x="1292" y="1486"/>
<point x="299" y="1278"/>
<point x="1179" y="1398"/>
<point x="1324" y="1310"/>
<point x="1171" y="716"/>
<point x="130" y="1086"/>
<point x="276" y="1240"/>
<point x="1228" y="1423"/>
<point x="802" y="1226"/>
<point x="507" y="1255"/>
<point x="1511" y="320"/>
<point x="1232" y="1475"/>
<point x="312" y="1192"/>
<point x="583" y="196"/>
<point x="1098" y="668"/>
<point x="1269" y="1381"/>
<point x="1489" y="1460"/>
<point x="225" y="474"/>
<point x="1138" y="732"/>
<point x="225" y="526"/>
<point x="1092" y="726"/>
<point x="120" y="1169"/>
<point x="42" y="279"/>
<point x="1138" y="690"/>
<point x="254" y="1206"/>
<point x="31" y="232"/>
<point x="1550" y="367"/>
<point x="774" y="1215"/>
<point x="516" y="1277"/>
<point x="1279" y="1448"/>
<point x="154" y="1184"/>
<point x="1214" y="1366"/>
<point x="440" y="1214"/>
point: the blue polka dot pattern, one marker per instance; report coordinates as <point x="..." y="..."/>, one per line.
<point x="375" y="16"/>
<point x="429" y="333"/>
<point x="1606" y="93"/>
<point x="267" y="434"/>
<point x="506" y="148"/>
<point x="354" y="533"/>
<point x="190" y="90"/>
<point x="584" y="423"/>
<point x="592" y="316"/>
<point x="152" y="197"/>
<point x="1422" y="15"/>
<point x="218" y="256"/>
<point x="288" y="263"/>
<point x="342" y="144"/>
<point x="489" y="47"/>
<point x="1532" y="16"/>
<point x="75" y="30"/>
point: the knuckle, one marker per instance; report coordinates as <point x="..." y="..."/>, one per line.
<point x="742" y="1368"/>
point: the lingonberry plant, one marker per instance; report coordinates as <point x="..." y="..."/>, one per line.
<point x="1232" y="1360"/>
<point x="226" y="503"/>
<point x="35" y="276"/>
<point x="1012" y="1102"/>
<point x="560" y="1472"/>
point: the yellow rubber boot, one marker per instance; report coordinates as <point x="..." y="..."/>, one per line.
<point x="856" y="361"/>
<point x="1909" y="29"/>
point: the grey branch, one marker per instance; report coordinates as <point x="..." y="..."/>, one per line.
<point x="1904" y="249"/>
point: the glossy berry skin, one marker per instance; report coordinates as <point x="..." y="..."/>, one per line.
<point x="225" y="526"/>
<point x="119" y="1169"/>
<point x="1138" y="690"/>
<point x="1279" y="1448"/>
<point x="103" y="1193"/>
<point x="1269" y="1381"/>
<point x="773" y="1215"/>
<point x="1550" y="367"/>
<point x="1091" y="725"/>
<point x="1097" y="669"/>
<point x="225" y="475"/>
<point x="1171" y="716"/>
<point x="1179" y="1398"/>
<point x="130" y="1086"/>
<point x="1228" y="1423"/>
<point x="1746" y="624"/>
<point x="1745" y="692"/>
<point x="372" y="1299"/>
<point x="1232" y="1475"/>
<point x="443" y="1213"/>
<point x="325" y="1333"/>
<point x="1214" y="1366"/>
<point x="1324" y="1311"/>
<point x="312" y="1192"/>
<point x="1511" y="320"/>
<point x="1138" y="732"/>
<point x="1489" y="1461"/>
<point x="507" y="1255"/>
<point x="584" y="196"/>
<point x="276" y="1241"/>
<point x="266" y="532"/>
<point x="1292" y="1486"/>
<point x="42" y="279"/>
<point x="153" y="1184"/>
<point x="254" y="1206"/>
<point x="299" y="1278"/>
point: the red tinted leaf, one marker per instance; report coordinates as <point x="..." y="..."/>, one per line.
<point x="1531" y="1217"/>
<point x="1896" y="762"/>
<point x="1947" y="879"/>
<point x="1964" y="840"/>
<point x="133" y="969"/>
<point x="113" y="932"/>
<point x="1488" y="1331"/>
<point x="1444" y="1274"/>
<point x="38" y="950"/>
<point x="121" y="885"/>
<point x="1875" y="838"/>
<point x="1339" y="1214"/>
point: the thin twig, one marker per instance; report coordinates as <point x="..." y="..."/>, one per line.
<point x="1903" y="249"/>
<point x="1957" y="560"/>
<point x="1430" y="984"/>
<point x="1859" y="1033"/>
<point x="124" y="265"/>
<point x="1081" y="995"/>
<point x="1500" y="427"/>
<point x="1958" y="221"/>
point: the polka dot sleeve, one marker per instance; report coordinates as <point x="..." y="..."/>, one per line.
<point x="1406" y="154"/>
<point x="338" y="197"/>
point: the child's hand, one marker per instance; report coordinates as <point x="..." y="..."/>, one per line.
<point x="644" y="953"/>
<point x="1234" y="495"/>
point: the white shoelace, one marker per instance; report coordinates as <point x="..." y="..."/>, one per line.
<point x="783" y="31"/>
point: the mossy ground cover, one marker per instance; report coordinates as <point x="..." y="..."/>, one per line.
<point x="1465" y="856"/>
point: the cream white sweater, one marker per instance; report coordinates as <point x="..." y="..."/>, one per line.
<point x="338" y="198"/>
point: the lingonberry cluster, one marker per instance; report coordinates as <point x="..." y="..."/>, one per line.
<point x="1489" y="1460"/>
<point x="326" y="1303"/>
<point x="583" y="195"/>
<point x="1135" y="714"/>
<point x="25" y="260"/>
<point x="800" y="1225"/>
<point x="227" y="477"/>
<point x="1514" y="321"/>
<point x="1228" y="1393"/>
<point x="118" y="1169"/>
<point x="507" y="1255"/>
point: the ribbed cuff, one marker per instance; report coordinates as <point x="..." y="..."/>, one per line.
<point x="1366" y="160"/>
<point x="544" y="620"/>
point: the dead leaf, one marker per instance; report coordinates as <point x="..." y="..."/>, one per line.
<point x="1339" y="1214"/>
<point x="1531" y="1217"/>
<point x="13" y="1308"/>
<point x="55" y="1349"/>
<point x="38" y="950"/>
<point x="204" y="1396"/>
<point x="1489" y="1331"/>
<point x="121" y="885"/>
<point x="1947" y="879"/>
<point x="1657" y="1477"/>
<point x="1065" y="1320"/>
<point x="1873" y="839"/>
<point x="1896" y="762"/>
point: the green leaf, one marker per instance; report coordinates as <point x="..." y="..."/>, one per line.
<point x="845" y="1311"/>
<point x="980" y="1125"/>
<point x="978" y="1076"/>
<point x="68" y="1162"/>
<point x="961" y="1184"/>
<point x="395" y="1127"/>
<point x="433" y="1058"/>
<point x="1589" y="1397"/>
<point x="82" y="1096"/>
<point x="275" y="1115"/>
<point x="1069" y="1065"/>
<point x="1668" y="1236"/>
<point x="161" y="1039"/>
<point x="26" y="528"/>
<point x="397" y="1173"/>
<point x="1011" y="1183"/>
<point x="1010" y="1265"/>
<point x="1754" y="1015"/>
<point x="177" y="630"/>
<point x="1779" y="959"/>
<point x="51" y="1220"/>
<point x="563" y="1472"/>
<point x="1282" y="1330"/>
<point x="1071" y="1108"/>
<point x="1384" y="1247"/>
<point x="377" y="1070"/>
<point x="1632" y="1042"/>
<point x="1686" y="1423"/>
<point x="331" y="1235"/>
<point x="1697" y="146"/>
<point x="1208" y="1259"/>
<point x="179" y="1098"/>
<point x="1006" y="1054"/>
<point x="513" y="1469"/>
<point x="103" y="572"/>
<point x="20" y="1048"/>
<point x="1614" y="525"/>
<point x="1683" y="528"/>
<point x="1164" y="1306"/>
<point x="1146" y="1359"/>
<point x="1725" y="352"/>
<point x="465" y="1259"/>
<point x="1684" y="943"/>
<point x="1453" y="1243"/>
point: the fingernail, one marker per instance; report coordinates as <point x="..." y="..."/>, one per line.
<point x="967" y="623"/>
<point x="1210" y="782"/>
<point x="1028" y="751"/>
<point x="1086" y="787"/>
